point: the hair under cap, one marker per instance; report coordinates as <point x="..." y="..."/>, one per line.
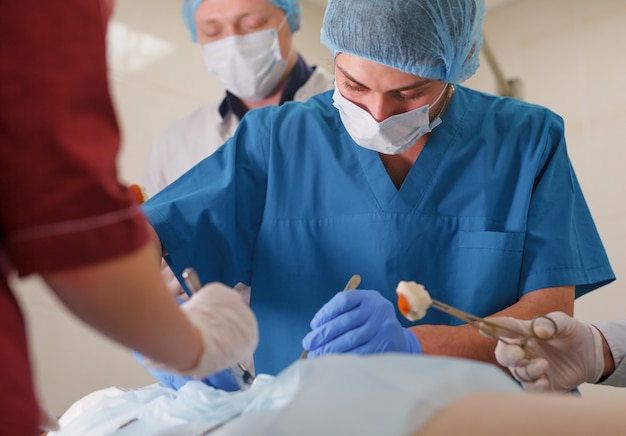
<point x="434" y="39"/>
<point x="291" y="8"/>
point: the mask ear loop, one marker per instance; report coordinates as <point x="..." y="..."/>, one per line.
<point x="292" y="50"/>
<point x="282" y="23"/>
<point x="450" y="88"/>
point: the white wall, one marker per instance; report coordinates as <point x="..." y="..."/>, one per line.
<point x="568" y="53"/>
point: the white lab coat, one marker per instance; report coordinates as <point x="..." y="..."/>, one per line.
<point x="615" y="334"/>
<point x="192" y="138"/>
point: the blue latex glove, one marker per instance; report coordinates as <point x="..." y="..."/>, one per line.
<point x="361" y="322"/>
<point x="221" y="380"/>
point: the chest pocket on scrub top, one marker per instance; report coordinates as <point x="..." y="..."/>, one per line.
<point x="488" y="270"/>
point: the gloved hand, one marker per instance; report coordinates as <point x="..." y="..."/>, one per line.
<point x="358" y="321"/>
<point x="221" y="380"/>
<point x="572" y="357"/>
<point x="228" y="326"/>
<point x="172" y="283"/>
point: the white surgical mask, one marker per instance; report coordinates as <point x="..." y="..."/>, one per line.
<point x="394" y="135"/>
<point x="249" y="66"/>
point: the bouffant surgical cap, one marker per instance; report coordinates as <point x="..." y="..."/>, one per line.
<point x="434" y="39"/>
<point x="291" y="8"/>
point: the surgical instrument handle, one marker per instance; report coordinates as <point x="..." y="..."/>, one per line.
<point x="353" y="283"/>
<point x="240" y="373"/>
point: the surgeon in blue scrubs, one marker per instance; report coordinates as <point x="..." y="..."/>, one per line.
<point x="399" y="173"/>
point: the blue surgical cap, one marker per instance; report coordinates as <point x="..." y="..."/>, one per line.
<point x="434" y="39"/>
<point x="290" y="7"/>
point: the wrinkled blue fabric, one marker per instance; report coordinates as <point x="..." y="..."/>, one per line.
<point x="490" y="211"/>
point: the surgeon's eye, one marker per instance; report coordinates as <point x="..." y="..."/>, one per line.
<point x="353" y="87"/>
<point x="211" y="31"/>
<point x="252" y="23"/>
<point x="411" y="93"/>
<point x="407" y="96"/>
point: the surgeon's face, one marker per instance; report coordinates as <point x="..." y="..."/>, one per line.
<point x="384" y="91"/>
<point x="219" y="19"/>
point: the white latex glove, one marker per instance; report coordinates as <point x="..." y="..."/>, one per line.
<point x="228" y="326"/>
<point x="172" y="283"/>
<point x="574" y="356"/>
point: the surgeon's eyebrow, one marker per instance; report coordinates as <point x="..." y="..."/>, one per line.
<point x="418" y="84"/>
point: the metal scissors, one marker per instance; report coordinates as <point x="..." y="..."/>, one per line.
<point x="240" y="373"/>
<point x="542" y="327"/>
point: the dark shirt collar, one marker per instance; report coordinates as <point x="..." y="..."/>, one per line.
<point x="295" y="80"/>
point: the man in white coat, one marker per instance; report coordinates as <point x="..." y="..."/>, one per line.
<point x="248" y="46"/>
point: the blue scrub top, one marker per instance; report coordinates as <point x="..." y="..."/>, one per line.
<point x="290" y="205"/>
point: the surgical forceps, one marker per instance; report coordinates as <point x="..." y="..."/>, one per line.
<point x="240" y="373"/>
<point x="490" y="328"/>
<point x="542" y="327"/>
<point x="353" y="283"/>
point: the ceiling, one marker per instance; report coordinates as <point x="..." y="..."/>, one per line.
<point x="490" y="3"/>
